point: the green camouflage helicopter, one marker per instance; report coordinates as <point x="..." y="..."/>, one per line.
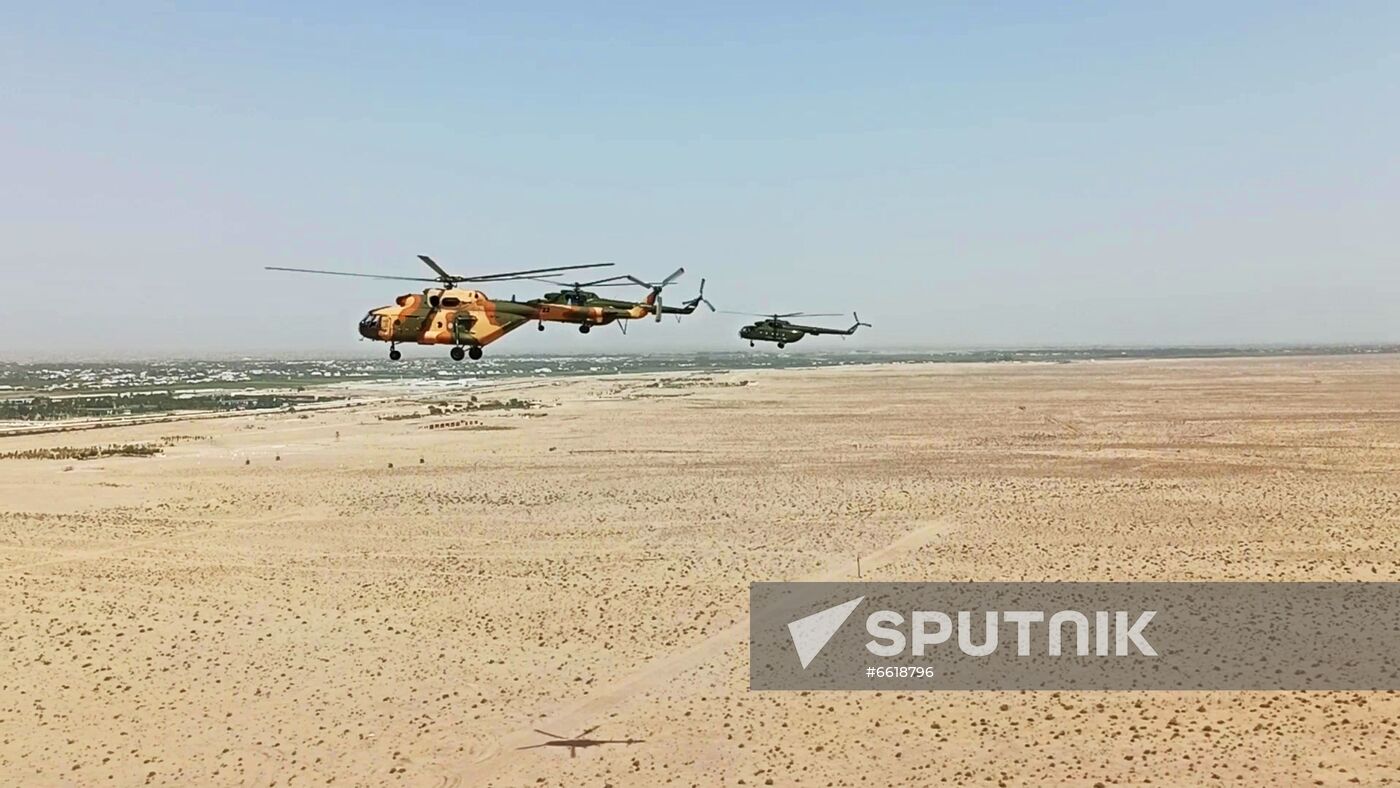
<point x="775" y="328"/>
<point x="576" y="297"/>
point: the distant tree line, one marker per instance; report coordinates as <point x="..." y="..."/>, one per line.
<point x="42" y="408"/>
<point x="84" y="452"/>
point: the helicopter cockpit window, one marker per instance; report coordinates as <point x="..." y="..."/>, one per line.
<point x="370" y="319"/>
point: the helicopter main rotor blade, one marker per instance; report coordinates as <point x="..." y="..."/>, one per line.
<point x="547" y="733"/>
<point x="780" y="314"/>
<point x="578" y="285"/>
<point x="602" y="281"/>
<point x="526" y="274"/>
<point x="676" y="274"/>
<point x="349" y="273"/>
<point x="437" y="269"/>
<point x="590" y="730"/>
<point x="443" y="277"/>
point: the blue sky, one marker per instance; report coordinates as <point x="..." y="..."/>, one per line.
<point x="964" y="175"/>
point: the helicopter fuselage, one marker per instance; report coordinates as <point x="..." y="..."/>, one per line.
<point x="776" y="329"/>
<point x="581" y="306"/>
<point x="441" y="317"/>
<point x="618" y="308"/>
<point x="772" y="331"/>
<point x="469" y="318"/>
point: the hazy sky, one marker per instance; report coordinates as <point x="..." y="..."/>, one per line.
<point x="964" y="175"/>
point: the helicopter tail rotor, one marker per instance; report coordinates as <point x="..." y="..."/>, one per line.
<point x="689" y="306"/>
<point x="654" y="298"/>
<point x="701" y="299"/>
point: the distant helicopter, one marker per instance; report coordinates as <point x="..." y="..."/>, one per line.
<point x="775" y="328"/>
<point x="579" y="741"/>
<point x="469" y="320"/>
<point x="575" y="301"/>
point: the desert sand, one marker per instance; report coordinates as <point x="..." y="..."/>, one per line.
<point x="266" y="603"/>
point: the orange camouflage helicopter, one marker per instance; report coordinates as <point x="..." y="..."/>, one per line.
<point x="469" y="320"/>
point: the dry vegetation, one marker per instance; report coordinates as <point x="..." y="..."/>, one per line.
<point x="196" y="620"/>
<point x="468" y="405"/>
<point x="141" y="449"/>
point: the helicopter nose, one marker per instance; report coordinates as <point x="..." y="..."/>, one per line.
<point x="369" y="326"/>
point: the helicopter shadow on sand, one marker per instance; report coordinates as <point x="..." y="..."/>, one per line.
<point x="578" y="742"/>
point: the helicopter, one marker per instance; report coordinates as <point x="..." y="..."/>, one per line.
<point x="468" y="319"/>
<point x="575" y="304"/>
<point x="776" y="328"/>
<point x="579" y="741"/>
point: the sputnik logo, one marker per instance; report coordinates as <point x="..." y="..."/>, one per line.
<point x="810" y="634"/>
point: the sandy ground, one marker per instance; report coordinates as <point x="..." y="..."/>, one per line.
<point x="273" y="604"/>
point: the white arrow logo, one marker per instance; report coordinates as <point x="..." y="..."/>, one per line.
<point x="810" y="634"/>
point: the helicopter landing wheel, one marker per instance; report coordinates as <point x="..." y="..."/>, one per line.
<point x="751" y="343"/>
<point x="585" y="328"/>
<point x="458" y="353"/>
<point x="474" y="353"/>
<point x="394" y="355"/>
<point x="540" y="326"/>
<point x="782" y="345"/>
